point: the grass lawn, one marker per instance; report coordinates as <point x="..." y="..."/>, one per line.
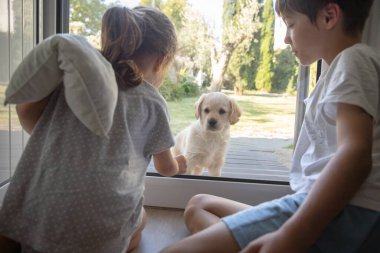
<point x="263" y="115"/>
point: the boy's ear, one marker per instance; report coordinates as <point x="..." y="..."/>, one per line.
<point x="331" y="15"/>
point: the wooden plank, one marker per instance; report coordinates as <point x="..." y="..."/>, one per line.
<point x="253" y="158"/>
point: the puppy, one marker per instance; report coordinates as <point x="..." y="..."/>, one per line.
<point x="204" y="142"/>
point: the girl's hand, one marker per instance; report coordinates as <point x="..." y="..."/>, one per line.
<point x="182" y="164"/>
<point x="275" y="242"/>
<point x="30" y="113"/>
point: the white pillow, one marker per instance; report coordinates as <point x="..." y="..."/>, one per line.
<point x="88" y="78"/>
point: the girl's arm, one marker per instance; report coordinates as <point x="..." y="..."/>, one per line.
<point x="167" y="165"/>
<point x="29" y="113"/>
<point x="337" y="184"/>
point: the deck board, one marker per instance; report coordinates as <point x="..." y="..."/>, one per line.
<point x="247" y="157"/>
<point x="256" y="158"/>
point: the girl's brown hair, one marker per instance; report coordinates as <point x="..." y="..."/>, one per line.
<point x="355" y="12"/>
<point x="129" y="34"/>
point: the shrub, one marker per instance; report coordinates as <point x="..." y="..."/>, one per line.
<point x="184" y="87"/>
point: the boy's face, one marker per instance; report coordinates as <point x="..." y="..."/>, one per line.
<point x="304" y="37"/>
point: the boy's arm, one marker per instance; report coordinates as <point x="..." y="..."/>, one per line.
<point x="167" y="165"/>
<point x="29" y="113"/>
<point x="337" y="184"/>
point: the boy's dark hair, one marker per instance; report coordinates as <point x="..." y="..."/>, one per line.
<point x="355" y="12"/>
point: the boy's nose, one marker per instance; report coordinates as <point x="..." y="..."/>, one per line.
<point x="287" y="37"/>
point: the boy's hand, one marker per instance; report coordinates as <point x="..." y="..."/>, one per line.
<point x="182" y="164"/>
<point x="275" y="242"/>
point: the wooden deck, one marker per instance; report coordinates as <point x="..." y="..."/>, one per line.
<point x="256" y="158"/>
<point x="247" y="157"/>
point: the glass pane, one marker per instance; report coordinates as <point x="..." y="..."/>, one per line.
<point x="28" y="43"/>
<point x="4" y="79"/>
<point x="20" y="32"/>
<point x="221" y="48"/>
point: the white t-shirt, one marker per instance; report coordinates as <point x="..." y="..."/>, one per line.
<point x="352" y="78"/>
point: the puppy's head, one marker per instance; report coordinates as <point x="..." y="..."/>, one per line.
<point x="216" y="111"/>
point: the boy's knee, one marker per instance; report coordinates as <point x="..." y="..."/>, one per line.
<point x="196" y="203"/>
<point x="194" y="208"/>
<point x="199" y="200"/>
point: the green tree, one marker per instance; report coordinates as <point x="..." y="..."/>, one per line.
<point x="175" y="10"/>
<point x="293" y="81"/>
<point x="156" y="3"/>
<point x="237" y="69"/>
<point x="284" y="70"/>
<point x="194" y="43"/>
<point x="239" y="25"/>
<point x="244" y="62"/>
<point x="264" y="75"/>
<point x="86" y="16"/>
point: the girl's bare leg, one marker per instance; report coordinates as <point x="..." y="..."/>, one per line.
<point x="216" y="238"/>
<point x="204" y="210"/>
<point x="136" y="237"/>
<point x="9" y="246"/>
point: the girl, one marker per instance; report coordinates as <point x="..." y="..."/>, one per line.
<point x="74" y="191"/>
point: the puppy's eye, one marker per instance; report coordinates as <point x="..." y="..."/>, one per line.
<point x="206" y="110"/>
<point x="222" y="111"/>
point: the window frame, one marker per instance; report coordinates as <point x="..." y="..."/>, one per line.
<point x="174" y="192"/>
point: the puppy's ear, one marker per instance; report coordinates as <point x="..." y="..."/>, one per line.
<point x="235" y="112"/>
<point x="198" y="106"/>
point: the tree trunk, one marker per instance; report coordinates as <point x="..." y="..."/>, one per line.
<point x="219" y="66"/>
<point x="219" y="63"/>
<point x="238" y="90"/>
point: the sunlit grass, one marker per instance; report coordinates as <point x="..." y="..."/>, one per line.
<point x="263" y="115"/>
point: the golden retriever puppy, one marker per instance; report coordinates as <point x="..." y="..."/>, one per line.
<point x="205" y="141"/>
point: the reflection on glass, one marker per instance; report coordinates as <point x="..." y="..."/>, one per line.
<point x="16" y="40"/>
<point x="4" y="77"/>
<point x="4" y="136"/>
<point x="21" y="44"/>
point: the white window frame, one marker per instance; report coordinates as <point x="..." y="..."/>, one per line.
<point x="175" y="192"/>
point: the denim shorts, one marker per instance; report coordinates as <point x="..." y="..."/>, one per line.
<point x="355" y="229"/>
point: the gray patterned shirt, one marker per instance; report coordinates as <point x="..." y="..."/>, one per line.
<point x="74" y="191"/>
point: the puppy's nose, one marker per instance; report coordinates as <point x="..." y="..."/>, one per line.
<point x="212" y="122"/>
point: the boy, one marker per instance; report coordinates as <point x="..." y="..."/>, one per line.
<point x="336" y="165"/>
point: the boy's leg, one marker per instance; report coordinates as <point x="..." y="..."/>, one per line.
<point x="136" y="237"/>
<point x="235" y="231"/>
<point x="372" y="243"/>
<point x="216" y="238"/>
<point x="204" y="210"/>
<point x="349" y="232"/>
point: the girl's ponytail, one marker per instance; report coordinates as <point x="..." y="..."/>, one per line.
<point x="130" y="34"/>
<point x="121" y="36"/>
